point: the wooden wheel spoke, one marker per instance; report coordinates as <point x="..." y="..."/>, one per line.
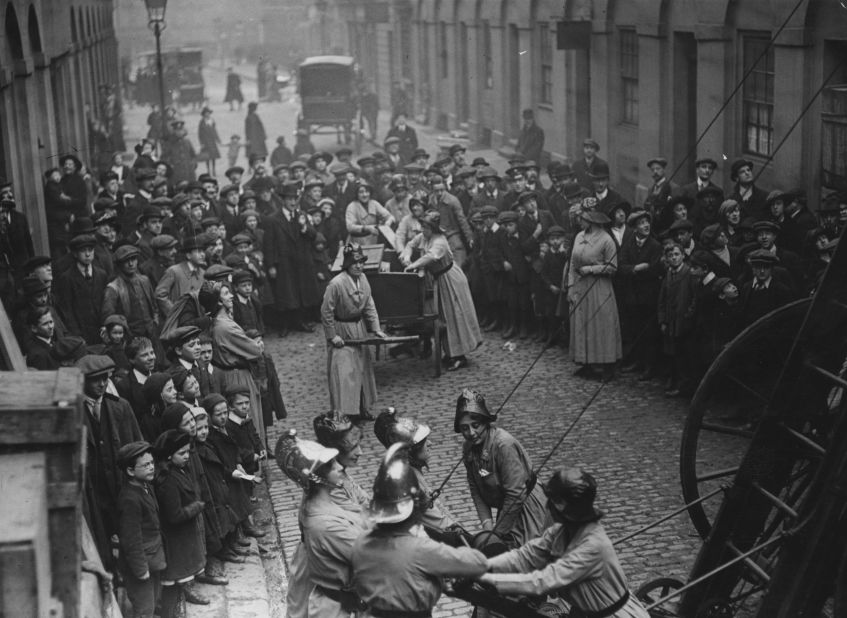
<point x="749" y="389"/>
<point x="727" y="430"/>
<point x="716" y="474"/>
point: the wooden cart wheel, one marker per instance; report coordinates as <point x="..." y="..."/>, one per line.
<point x="727" y="405"/>
<point x="656" y="589"/>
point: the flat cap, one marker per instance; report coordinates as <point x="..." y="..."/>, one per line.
<point x="116" y="319"/>
<point x="556" y="230"/>
<point x="183" y="334"/>
<point x="507" y="216"/>
<point x="93" y="365"/>
<point x="82" y="241"/>
<point x="125" y="252"/>
<point x="768" y="226"/>
<point x="241" y="276"/>
<point x="36" y="262"/>
<point x="636" y="216"/>
<point x="240" y="239"/>
<point x="456" y="148"/>
<point x="393" y="139"/>
<point x="489" y="211"/>
<point x="131" y="451"/>
<point x="660" y="160"/>
<point x="762" y="256"/>
<point x="170" y="442"/>
<point x="227" y="189"/>
<point x="681" y="224"/>
<point x="163" y="241"/>
<point x="217" y="272"/>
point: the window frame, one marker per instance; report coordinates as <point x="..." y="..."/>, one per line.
<point x="757" y="95"/>
<point x="628" y="55"/>
<point x="545" y="56"/>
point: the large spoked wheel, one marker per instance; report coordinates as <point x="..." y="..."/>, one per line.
<point x="727" y="405"/>
<point x="657" y="589"/>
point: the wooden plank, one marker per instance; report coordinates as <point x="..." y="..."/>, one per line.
<point x="39" y="426"/>
<point x="68" y="387"/>
<point x="63" y="495"/>
<point x="29" y="389"/>
<point x="13" y="358"/>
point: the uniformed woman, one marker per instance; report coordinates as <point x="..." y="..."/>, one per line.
<point x="348" y="312"/>
<point x="434" y="516"/>
<point x="328" y="529"/>
<point x="397" y="568"/>
<point x="500" y="475"/>
<point x="452" y="293"/>
<point x="574" y="558"/>
<point x="341" y="434"/>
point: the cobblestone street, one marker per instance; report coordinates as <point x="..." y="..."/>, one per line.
<point x="629" y="438"/>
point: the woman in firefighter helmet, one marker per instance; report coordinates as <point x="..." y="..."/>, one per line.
<point x="398" y="570"/>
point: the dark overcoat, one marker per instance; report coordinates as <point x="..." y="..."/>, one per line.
<point x="289" y="250"/>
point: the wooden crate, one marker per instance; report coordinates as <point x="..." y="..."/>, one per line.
<point x="24" y="548"/>
<point x="41" y="412"/>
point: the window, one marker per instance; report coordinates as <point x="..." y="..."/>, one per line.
<point x="629" y="75"/>
<point x="487" y="55"/>
<point x="546" y="55"/>
<point x="757" y="115"/>
<point x="442" y="49"/>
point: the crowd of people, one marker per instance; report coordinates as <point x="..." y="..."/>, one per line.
<point x="161" y="287"/>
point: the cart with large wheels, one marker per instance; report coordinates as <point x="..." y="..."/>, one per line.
<point x="329" y="99"/>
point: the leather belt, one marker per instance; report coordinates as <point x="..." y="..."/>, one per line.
<point x="395" y="613"/>
<point x="348" y="320"/>
<point x="603" y="613"/>
<point x="349" y="601"/>
<point x="437" y="273"/>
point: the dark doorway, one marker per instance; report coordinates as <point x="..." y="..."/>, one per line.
<point x="684" y="103"/>
<point x="464" y="78"/>
<point x="514" y="83"/>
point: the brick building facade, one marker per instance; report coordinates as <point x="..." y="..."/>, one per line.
<point x="54" y="54"/>
<point x="643" y="77"/>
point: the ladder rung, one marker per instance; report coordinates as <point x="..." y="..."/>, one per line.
<point x="804" y="439"/>
<point x="828" y="374"/>
<point x="750" y="563"/>
<point x="775" y="501"/>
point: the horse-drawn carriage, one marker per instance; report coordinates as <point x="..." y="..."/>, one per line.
<point x="182" y="72"/>
<point x="328" y="87"/>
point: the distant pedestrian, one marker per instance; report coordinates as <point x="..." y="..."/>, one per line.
<point x="233" y="90"/>
<point x="281" y="155"/>
<point x="254" y="132"/>
<point x="232" y="150"/>
<point x="531" y="139"/>
<point x="207" y="135"/>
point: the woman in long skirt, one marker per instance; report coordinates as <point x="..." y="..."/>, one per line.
<point x="452" y="292"/>
<point x="233" y="351"/>
<point x="595" y="327"/>
<point x="347" y="312"/>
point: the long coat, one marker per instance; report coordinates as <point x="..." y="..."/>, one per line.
<point x="255" y="136"/>
<point x="140" y="534"/>
<point x="352" y="386"/>
<point x="181" y="512"/>
<point x="80" y="301"/>
<point x="207" y="135"/>
<point x="595" y="327"/>
<point x="677" y="302"/>
<point x="289" y="249"/>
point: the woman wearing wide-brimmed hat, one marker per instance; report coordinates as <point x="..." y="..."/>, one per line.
<point x="452" y="292"/>
<point x="595" y="327"/>
<point x="207" y="135"/>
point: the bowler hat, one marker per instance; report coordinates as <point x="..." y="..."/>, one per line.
<point x="601" y="170"/>
<point x="487" y="172"/>
<point x="36" y="262"/>
<point x="737" y="165"/>
<point x="253" y="158"/>
<point x="108" y="176"/>
<point x="247" y="195"/>
<point x="81" y="225"/>
<point x="573" y="189"/>
<point x="479" y="162"/>
<point x="278" y="168"/>
<point x="235" y="169"/>
<point x="288" y="189"/>
<point x="456" y="148"/>
<point x="706" y="161"/>
<point x="526" y="196"/>
<point x="420" y="152"/>
<point x="104" y="203"/>
<point x="344" y="150"/>
<point x="93" y="365"/>
<point x="195" y="241"/>
<point x="150" y="212"/>
<point x="263" y="184"/>
<point x="144" y="173"/>
<point x="227" y="189"/>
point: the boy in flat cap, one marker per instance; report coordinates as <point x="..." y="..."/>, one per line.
<point x="79" y="293"/>
<point x="142" y="556"/>
<point x="246" y="310"/>
<point x="164" y="247"/>
<point x="764" y="293"/>
<point x="130" y="294"/>
<point x="110" y="424"/>
<point x="183" y="277"/>
<point x="184" y="353"/>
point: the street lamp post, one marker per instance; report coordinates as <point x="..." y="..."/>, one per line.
<point x="156" y="22"/>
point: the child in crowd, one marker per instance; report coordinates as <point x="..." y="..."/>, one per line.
<point x="139" y="533"/>
<point x="240" y="426"/>
<point x="677" y="302"/>
<point x="548" y="302"/>
<point x="181" y="512"/>
<point x="246" y="308"/>
<point x="232" y="149"/>
<point x="264" y="372"/>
